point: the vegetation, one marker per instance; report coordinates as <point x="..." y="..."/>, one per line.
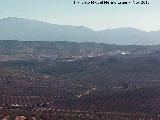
<point x="96" y="78"/>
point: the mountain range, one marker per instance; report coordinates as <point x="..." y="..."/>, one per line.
<point x="13" y="28"/>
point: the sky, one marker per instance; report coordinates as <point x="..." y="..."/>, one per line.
<point x="97" y="17"/>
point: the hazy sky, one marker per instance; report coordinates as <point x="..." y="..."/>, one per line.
<point x="144" y="17"/>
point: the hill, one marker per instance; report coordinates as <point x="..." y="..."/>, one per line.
<point x="13" y="28"/>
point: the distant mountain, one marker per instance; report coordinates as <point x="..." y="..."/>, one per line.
<point x="13" y="28"/>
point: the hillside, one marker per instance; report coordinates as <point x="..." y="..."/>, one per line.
<point x="20" y="50"/>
